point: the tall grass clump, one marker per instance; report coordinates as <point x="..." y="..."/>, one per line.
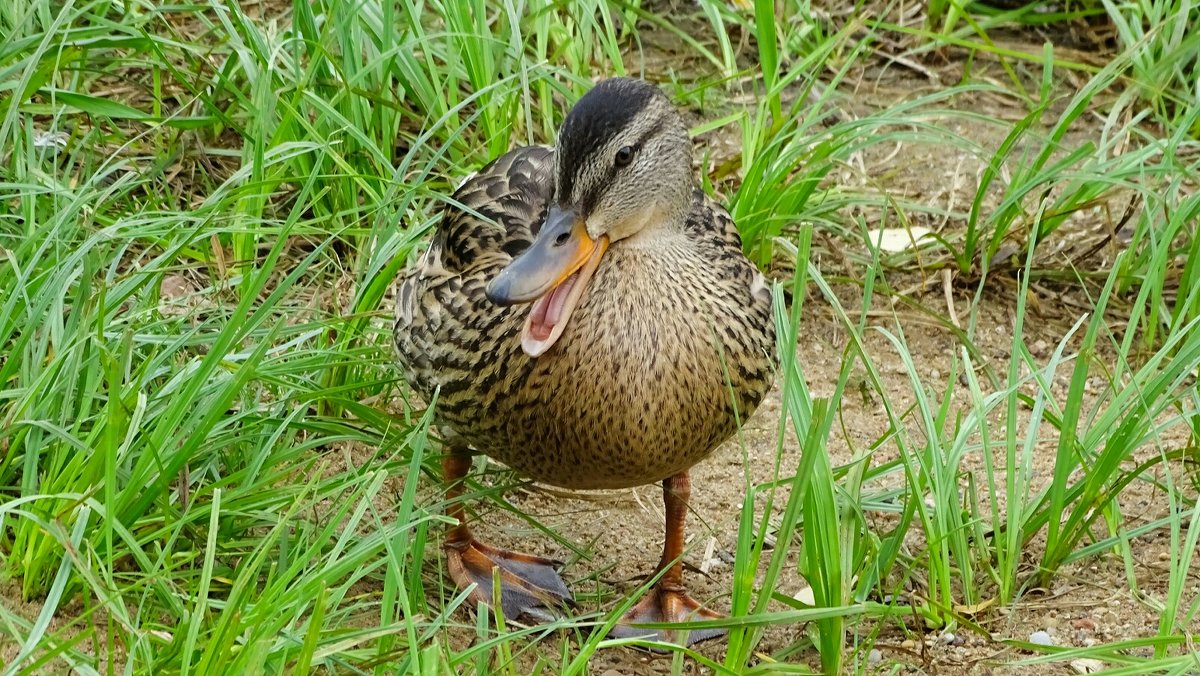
<point x="1162" y="44"/>
<point x="1158" y="38"/>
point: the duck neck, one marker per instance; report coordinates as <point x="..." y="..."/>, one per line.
<point x="664" y="228"/>
<point x="663" y="236"/>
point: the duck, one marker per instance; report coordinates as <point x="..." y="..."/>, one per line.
<point x="585" y="315"/>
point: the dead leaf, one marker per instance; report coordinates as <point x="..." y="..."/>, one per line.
<point x="975" y="608"/>
<point x="894" y="240"/>
<point x="1087" y="665"/>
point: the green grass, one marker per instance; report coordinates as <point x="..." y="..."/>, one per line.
<point x="207" y="461"/>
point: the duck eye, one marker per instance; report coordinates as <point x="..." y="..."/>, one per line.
<point x="562" y="238"/>
<point x="624" y="156"/>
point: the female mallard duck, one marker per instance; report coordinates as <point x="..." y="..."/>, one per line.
<point x="649" y="334"/>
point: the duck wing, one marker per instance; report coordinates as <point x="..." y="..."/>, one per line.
<point x="446" y="328"/>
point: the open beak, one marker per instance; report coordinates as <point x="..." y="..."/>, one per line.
<point x="554" y="272"/>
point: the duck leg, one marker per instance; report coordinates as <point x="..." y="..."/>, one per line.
<point x="529" y="585"/>
<point x="668" y="601"/>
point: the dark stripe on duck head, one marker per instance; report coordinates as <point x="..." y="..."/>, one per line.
<point x="592" y="124"/>
<point x="611" y="169"/>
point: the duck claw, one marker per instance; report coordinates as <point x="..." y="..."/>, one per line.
<point x="661" y="605"/>
<point x="530" y="586"/>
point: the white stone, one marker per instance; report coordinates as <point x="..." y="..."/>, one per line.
<point x="1040" y="638"/>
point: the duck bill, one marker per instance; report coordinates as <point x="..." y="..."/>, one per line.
<point x="553" y="273"/>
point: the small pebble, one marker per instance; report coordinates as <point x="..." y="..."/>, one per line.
<point x="908" y="644"/>
<point x="874" y="657"/>
<point x="1164" y="556"/>
<point x="1084" y="623"/>
<point x="948" y="638"/>
<point x="713" y="566"/>
<point x="1040" y="348"/>
<point x="1040" y="638"/>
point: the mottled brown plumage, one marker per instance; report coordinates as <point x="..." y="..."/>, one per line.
<point x="671" y="343"/>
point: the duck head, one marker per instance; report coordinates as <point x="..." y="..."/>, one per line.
<point x="623" y="165"/>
